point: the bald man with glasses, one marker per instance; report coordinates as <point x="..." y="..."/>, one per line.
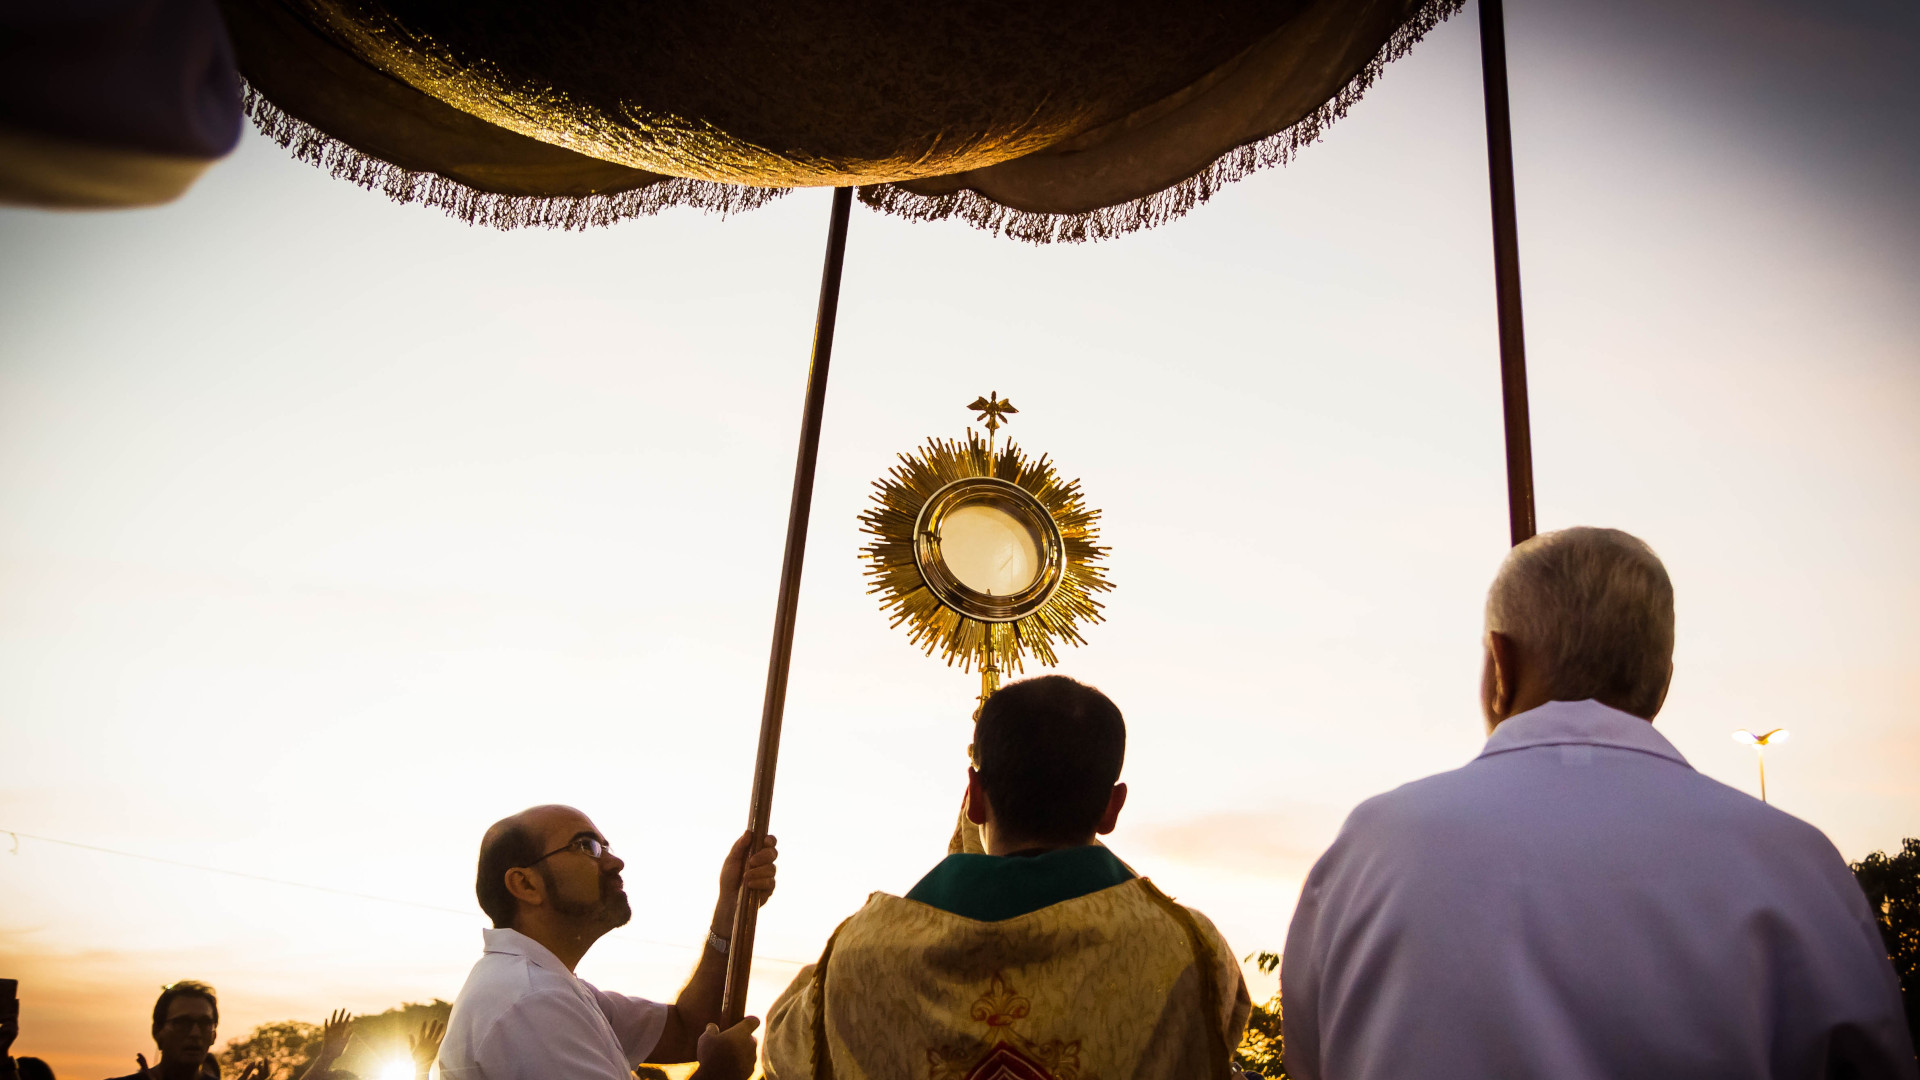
<point x="551" y="884"/>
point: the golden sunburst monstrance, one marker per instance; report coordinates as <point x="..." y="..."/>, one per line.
<point x="985" y="554"/>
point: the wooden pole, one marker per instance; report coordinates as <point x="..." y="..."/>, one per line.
<point x="1506" y="273"/>
<point x="760" y="811"/>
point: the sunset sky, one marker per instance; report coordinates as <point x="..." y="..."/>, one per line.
<point x="332" y="530"/>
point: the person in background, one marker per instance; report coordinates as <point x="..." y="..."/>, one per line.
<point x="551" y="884"/>
<point x="9" y="1027"/>
<point x="1577" y="903"/>
<point x="185" y="1018"/>
<point x="1044" y="956"/>
<point x="12" y="1068"/>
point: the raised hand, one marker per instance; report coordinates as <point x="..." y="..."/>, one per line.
<point x="146" y="1071"/>
<point x="425" y="1046"/>
<point x="334" y="1037"/>
<point x="729" y="1054"/>
<point x="758" y="873"/>
<point x="758" y="870"/>
<point x="255" y="1070"/>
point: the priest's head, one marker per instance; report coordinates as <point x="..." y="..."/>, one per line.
<point x="1046" y="766"/>
<point x="1576" y="614"/>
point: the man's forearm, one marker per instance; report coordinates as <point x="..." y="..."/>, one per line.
<point x="699" y="1002"/>
<point x="322" y="1064"/>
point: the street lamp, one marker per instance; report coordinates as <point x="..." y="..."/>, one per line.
<point x="1759" y="744"/>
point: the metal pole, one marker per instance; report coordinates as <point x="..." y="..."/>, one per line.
<point x="746" y="913"/>
<point x="1506" y="273"/>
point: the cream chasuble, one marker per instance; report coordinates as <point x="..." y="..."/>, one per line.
<point x="1119" y="984"/>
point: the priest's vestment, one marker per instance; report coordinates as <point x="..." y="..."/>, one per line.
<point x="1118" y="983"/>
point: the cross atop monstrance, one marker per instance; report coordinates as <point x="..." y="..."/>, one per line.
<point x="983" y="553"/>
<point x="991" y="409"/>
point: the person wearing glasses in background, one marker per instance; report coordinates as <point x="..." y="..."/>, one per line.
<point x="551" y="885"/>
<point x="184" y="1020"/>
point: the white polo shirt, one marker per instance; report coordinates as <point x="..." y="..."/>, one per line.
<point x="1577" y="903"/>
<point x="523" y="1016"/>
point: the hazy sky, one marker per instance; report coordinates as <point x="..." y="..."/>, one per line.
<point x="332" y="530"/>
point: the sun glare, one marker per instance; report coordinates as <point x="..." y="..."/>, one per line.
<point x="397" y="1069"/>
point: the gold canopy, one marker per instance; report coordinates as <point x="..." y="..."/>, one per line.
<point x="1044" y="121"/>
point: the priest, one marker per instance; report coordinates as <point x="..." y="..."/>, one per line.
<point x="1043" y="958"/>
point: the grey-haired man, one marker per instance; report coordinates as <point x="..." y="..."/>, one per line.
<point x="1577" y="903"/>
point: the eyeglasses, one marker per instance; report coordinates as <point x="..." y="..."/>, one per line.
<point x="591" y="846"/>
<point x="188" y="1023"/>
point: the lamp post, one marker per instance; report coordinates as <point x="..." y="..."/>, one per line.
<point x="1759" y="744"/>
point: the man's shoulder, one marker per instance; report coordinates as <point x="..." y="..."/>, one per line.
<point x="1775" y="842"/>
<point x="500" y="973"/>
<point x="1493" y="780"/>
<point x="499" y="984"/>
<point x="1425" y="801"/>
<point x="1210" y="934"/>
<point x="891" y="922"/>
<point x="891" y="937"/>
<point x="1500" y="800"/>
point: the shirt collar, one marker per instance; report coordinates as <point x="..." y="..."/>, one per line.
<point x="514" y="943"/>
<point x="1560" y="723"/>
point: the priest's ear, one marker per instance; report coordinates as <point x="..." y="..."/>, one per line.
<point x="1110" y="817"/>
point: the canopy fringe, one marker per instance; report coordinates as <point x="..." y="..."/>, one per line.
<point x="315" y="147"/>
<point x="1157" y="209"/>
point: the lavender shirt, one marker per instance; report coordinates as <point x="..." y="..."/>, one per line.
<point x="1578" y="903"/>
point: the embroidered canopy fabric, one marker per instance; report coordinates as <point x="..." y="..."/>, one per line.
<point x="1042" y="120"/>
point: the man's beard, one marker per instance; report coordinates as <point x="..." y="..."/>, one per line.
<point x="612" y="909"/>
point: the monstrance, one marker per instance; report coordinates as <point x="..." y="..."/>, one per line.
<point x="984" y="554"/>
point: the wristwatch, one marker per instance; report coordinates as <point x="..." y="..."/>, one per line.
<point x="716" y="943"/>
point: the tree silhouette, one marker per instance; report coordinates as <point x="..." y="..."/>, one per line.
<point x="1892" y="885"/>
<point x="287" y="1046"/>
<point x="1263" y="1050"/>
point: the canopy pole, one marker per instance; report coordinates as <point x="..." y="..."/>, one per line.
<point x="1506" y="273"/>
<point x="747" y="911"/>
